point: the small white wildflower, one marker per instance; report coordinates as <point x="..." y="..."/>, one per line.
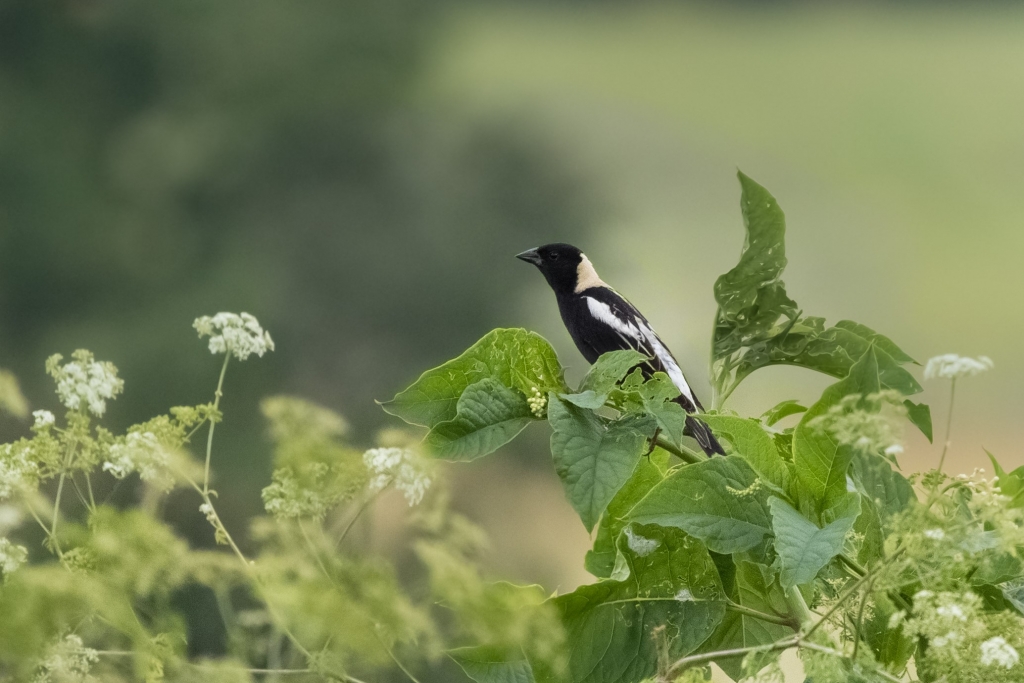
<point x="640" y="545"/>
<point x="950" y="638"/>
<point x="951" y="612"/>
<point x="398" y="466"/>
<point x="923" y="595"/>
<point x="997" y="652"/>
<point x="237" y="333"/>
<point x="44" y="419"/>
<point x="67" y="661"/>
<point x="894" y="450"/>
<point x="85" y="383"/>
<point x="537" y="402"/>
<point x="141" y="452"/>
<point x="11" y="557"/>
<point x="934" y="534"/>
<point x="952" y="366"/>
<point x="896" y="619"/>
<point x="17" y="471"/>
<point x="684" y="595"/>
<point x="209" y="513"/>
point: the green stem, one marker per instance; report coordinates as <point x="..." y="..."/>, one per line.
<point x="209" y="438"/>
<point x="770" y="618"/>
<point x="683" y="452"/>
<point x="949" y="423"/>
<point x="799" y="610"/>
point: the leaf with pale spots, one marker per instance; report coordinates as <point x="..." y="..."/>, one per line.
<point x="516" y="358"/>
<point x="488" y="416"/>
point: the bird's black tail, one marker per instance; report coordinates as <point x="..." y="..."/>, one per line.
<point x="702" y="433"/>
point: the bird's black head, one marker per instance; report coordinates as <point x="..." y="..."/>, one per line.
<point x="560" y="264"/>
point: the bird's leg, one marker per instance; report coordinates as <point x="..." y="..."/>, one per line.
<point x="654" y="442"/>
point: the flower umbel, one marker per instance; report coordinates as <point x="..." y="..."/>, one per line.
<point x="68" y="661"/>
<point x="141" y="452"/>
<point x="237" y="333"/>
<point x="11" y="557"/>
<point x="952" y="366"/>
<point x="85" y="383"/>
<point x="17" y="471"/>
<point x="398" y="466"/>
<point x="44" y="419"/>
<point x="997" y="652"/>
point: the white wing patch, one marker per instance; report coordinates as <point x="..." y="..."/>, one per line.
<point x="668" y="362"/>
<point x="641" y="333"/>
<point x="603" y="312"/>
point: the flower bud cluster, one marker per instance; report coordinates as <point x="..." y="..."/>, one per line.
<point x="398" y="466"/>
<point x="952" y="366"/>
<point x="236" y="333"/>
<point x="85" y="383"/>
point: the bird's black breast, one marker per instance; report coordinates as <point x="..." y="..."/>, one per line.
<point x="592" y="336"/>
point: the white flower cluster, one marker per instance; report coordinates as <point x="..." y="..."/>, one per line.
<point x="538" y="402"/>
<point x="17" y="471"/>
<point x="68" y="661"/>
<point x="952" y="366"/>
<point x="85" y="383"/>
<point x="141" y="452"/>
<point x="237" y="333"/>
<point x="398" y="466"/>
<point x="44" y="419"/>
<point x="11" y="557"/>
<point x="934" y="534"/>
<point x="871" y="423"/>
<point x="946" y="619"/>
<point x="997" y="652"/>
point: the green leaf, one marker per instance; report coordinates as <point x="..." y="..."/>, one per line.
<point x="763" y="257"/>
<point x="755" y="446"/>
<point x="717" y="501"/>
<point x="488" y="416"/>
<point x="821" y="463"/>
<point x="586" y="399"/>
<point x="756" y="589"/>
<point x="803" y="548"/>
<point x="875" y="479"/>
<point x="609" y="625"/>
<point x="879" y="340"/>
<point x="515" y="357"/>
<point x="493" y="665"/>
<point x="782" y="411"/>
<point x="649" y="471"/>
<point x="609" y="369"/>
<point x="593" y="460"/>
<point x="1010" y="484"/>
<point x="921" y="416"/>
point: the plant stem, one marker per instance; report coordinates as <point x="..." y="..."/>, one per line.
<point x="683" y="452"/>
<point x="763" y="616"/>
<point x="949" y="423"/>
<point x="362" y="508"/>
<point x="799" y="610"/>
<point x="209" y="438"/>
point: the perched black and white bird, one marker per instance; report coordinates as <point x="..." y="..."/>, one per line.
<point x="599" y="320"/>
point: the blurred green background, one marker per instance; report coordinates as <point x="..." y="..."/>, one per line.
<point x="359" y="176"/>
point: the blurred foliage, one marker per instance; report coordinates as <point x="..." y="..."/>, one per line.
<point x="158" y="160"/>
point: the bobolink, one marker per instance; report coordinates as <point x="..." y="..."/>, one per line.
<point x="599" y="320"/>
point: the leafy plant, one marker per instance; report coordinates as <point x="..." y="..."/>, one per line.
<point x="805" y="536"/>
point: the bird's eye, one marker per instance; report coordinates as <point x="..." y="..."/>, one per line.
<point x="553" y="256"/>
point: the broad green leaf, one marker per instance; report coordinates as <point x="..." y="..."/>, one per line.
<point x="609" y="625"/>
<point x="718" y="501"/>
<point x="876" y="480"/>
<point x="755" y="446"/>
<point x="592" y="460"/>
<point x="1013" y="593"/>
<point x="879" y="340"/>
<point x="756" y="589"/>
<point x="1010" y="484"/>
<point x="488" y="416"/>
<point x="764" y="252"/>
<point x="586" y="399"/>
<point x="920" y="415"/>
<point x="804" y="548"/>
<point x="515" y="357"/>
<point x="822" y="463"/>
<point x="649" y="471"/>
<point x="782" y="411"/>
<point x="609" y="369"/>
<point x="891" y="647"/>
<point x="493" y="665"/>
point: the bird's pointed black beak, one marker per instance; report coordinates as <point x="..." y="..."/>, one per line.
<point x="530" y="256"/>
